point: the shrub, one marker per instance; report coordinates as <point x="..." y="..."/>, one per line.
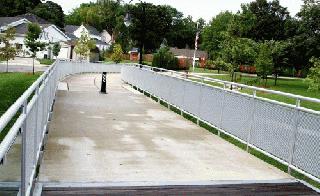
<point x="313" y="78"/>
<point x="165" y="59"/>
<point x="117" y="53"/>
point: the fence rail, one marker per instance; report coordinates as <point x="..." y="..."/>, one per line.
<point x="33" y="109"/>
<point x="287" y="133"/>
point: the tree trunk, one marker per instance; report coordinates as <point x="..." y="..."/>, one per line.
<point x="218" y="71"/>
<point x="7" y="65"/>
<point x="275" y="79"/>
<point x="33" y="66"/>
<point x="265" y="81"/>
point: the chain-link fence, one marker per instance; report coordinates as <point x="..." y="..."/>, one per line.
<point x="288" y="133"/>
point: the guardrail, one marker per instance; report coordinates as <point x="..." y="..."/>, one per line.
<point x="33" y="109"/>
<point x="288" y="133"/>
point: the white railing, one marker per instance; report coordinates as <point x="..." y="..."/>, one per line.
<point x="33" y="110"/>
<point x="288" y="133"/>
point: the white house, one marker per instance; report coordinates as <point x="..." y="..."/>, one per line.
<point x="103" y="40"/>
<point x="50" y="34"/>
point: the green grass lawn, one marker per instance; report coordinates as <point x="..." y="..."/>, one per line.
<point x="46" y="61"/>
<point x="12" y="86"/>
<point x="208" y="71"/>
<point x="295" y="86"/>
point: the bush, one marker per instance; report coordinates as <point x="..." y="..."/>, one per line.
<point x="165" y="59"/>
<point x="313" y="78"/>
<point x="117" y="53"/>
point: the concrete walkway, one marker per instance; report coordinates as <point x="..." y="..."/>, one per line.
<point x="126" y="137"/>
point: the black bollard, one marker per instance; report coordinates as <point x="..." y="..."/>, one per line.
<point x="104" y="83"/>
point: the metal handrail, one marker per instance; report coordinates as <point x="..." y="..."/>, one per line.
<point x="13" y="109"/>
<point x="186" y="75"/>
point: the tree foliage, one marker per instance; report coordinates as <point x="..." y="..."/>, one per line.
<point x="264" y="61"/>
<point x="261" y="20"/>
<point x="215" y="33"/>
<point x="238" y="51"/>
<point x="8" y="51"/>
<point x="84" y="46"/>
<point x="50" y="11"/>
<point x="165" y="59"/>
<point x="117" y="53"/>
<point x="32" y="40"/>
<point x="56" y="49"/>
<point x="17" y="7"/>
<point x="313" y="78"/>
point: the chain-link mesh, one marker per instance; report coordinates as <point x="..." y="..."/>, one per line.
<point x="307" y="147"/>
<point x="275" y="128"/>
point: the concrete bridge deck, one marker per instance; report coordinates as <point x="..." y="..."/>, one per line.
<point x="126" y="137"/>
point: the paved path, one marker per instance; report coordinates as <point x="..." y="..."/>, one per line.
<point x="126" y="137"/>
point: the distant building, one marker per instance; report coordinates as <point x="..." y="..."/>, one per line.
<point x="134" y="54"/>
<point x="185" y="56"/>
<point x="103" y="40"/>
<point x="52" y="34"/>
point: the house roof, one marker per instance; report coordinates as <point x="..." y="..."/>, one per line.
<point x="93" y="30"/>
<point x="72" y="28"/>
<point x="33" y="18"/>
<point x="99" y="42"/>
<point x="7" y="20"/>
<point x="22" y="28"/>
<point x="189" y="53"/>
<point x="69" y="29"/>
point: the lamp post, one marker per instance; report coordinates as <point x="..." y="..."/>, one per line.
<point x="128" y="22"/>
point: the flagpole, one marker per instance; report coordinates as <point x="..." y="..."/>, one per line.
<point x="196" y="48"/>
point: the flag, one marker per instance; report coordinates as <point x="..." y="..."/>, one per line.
<point x="196" y="42"/>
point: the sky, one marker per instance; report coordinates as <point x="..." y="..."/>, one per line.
<point x="196" y="8"/>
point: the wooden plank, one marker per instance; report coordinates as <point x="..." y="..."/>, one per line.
<point x="239" y="189"/>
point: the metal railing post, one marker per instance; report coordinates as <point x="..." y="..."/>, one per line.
<point x="200" y="101"/>
<point x="222" y="107"/>
<point x="23" y="187"/>
<point x="296" y="121"/>
<point x="252" y="118"/>
<point x="36" y="143"/>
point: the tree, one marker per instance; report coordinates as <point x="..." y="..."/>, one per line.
<point x="182" y="32"/>
<point x="56" y="49"/>
<point x="264" y="62"/>
<point x="306" y="42"/>
<point x="117" y="53"/>
<point x="8" y="52"/>
<point x="236" y="52"/>
<point x="313" y="78"/>
<point x="51" y="12"/>
<point x="84" y="45"/>
<point x="17" y="7"/>
<point x="214" y="33"/>
<point x="32" y="42"/>
<point x="280" y="56"/>
<point x="165" y="59"/>
<point x="151" y="28"/>
<point x="261" y="20"/>
<point x="220" y="64"/>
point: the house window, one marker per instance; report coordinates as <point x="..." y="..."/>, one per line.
<point x="19" y="46"/>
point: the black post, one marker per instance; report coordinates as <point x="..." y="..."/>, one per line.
<point x="143" y="33"/>
<point x="104" y="83"/>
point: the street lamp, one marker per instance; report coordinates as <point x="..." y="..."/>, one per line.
<point x="128" y="21"/>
